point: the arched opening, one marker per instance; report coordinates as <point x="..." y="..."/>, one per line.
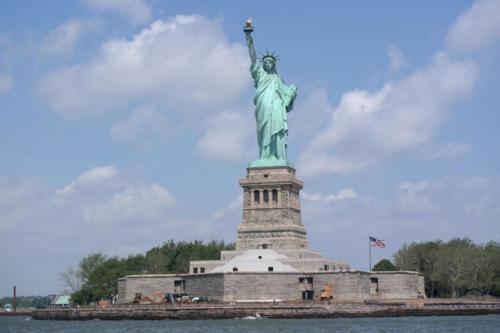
<point x="266" y="196"/>
<point x="256" y="196"/>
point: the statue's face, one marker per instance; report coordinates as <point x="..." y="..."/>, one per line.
<point x="268" y="65"/>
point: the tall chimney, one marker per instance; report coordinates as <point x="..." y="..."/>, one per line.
<point x="14" y="305"/>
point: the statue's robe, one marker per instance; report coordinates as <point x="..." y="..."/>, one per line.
<point x="273" y="99"/>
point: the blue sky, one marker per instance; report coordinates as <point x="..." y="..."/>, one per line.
<point x="124" y="124"/>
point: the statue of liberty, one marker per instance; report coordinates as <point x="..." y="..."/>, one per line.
<point x="273" y="100"/>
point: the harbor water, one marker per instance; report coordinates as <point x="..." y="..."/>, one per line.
<point x="476" y="324"/>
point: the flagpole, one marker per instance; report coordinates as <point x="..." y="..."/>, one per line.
<point x="370" y="254"/>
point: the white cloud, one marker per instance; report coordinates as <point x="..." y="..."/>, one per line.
<point x="136" y="11"/>
<point x="450" y="151"/>
<point x="233" y="209"/>
<point x="401" y="117"/>
<point x="476" y="28"/>
<point x="183" y="64"/>
<point x="396" y="58"/>
<point x="414" y="196"/>
<point x="144" y="128"/>
<point x="6" y="83"/>
<point x="62" y="40"/>
<point x="309" y="114"/>
<point x="103" y="209"/>
<point x="314" y="163"/>
<point x="347" y="193"/>
<point x="100" y="196"/>
<point x="17" y="199"/>
<point x="404" y="116"/>
<point x="97" y="175"/>
<point x="227" y="137"/>
<point x="455" y="206"/>
<point x="135" y="202"/>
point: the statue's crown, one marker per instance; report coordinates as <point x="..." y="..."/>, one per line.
<point x="269" y="55"/>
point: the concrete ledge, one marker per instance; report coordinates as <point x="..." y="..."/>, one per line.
<point x="271" y="310"/>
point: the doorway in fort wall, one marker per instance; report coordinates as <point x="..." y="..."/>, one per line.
<point x="179" y="286"/>
<point x="373" y="286"/>
<point x="306" y="287"/>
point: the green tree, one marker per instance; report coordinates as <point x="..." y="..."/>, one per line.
<point x="421" y="257"/>
<point x="174" y="257"/>
<point x="88" y="264"/>
<point x="83" y="296"/>
<point x="384" y="265"/>
<point x="492" y="268"/>
<point x="455" y="268"/>
<point x="454" y="265"/>
<point x="75" y="278"/>
<point x="27" y="301"/>
<point x="100" y="274"/>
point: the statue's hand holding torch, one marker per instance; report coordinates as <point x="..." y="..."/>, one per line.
<point x="248" y="29"/>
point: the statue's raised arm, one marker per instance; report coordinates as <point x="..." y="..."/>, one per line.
<point x="273" y="100"/>
<point x="248" y="34"/>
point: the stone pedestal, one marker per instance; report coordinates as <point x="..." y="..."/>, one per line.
<point x="271" y="210"/>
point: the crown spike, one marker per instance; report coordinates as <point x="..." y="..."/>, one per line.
<point x="268" y="54"/>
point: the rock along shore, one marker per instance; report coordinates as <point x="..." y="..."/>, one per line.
<point x="270" y="310"/>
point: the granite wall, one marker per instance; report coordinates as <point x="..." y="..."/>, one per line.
<point x="345" y="285"/>
<point x="268" y="286"/>
<point x="207" y="285"/>
<point x="261" y="286"/>
<point x="146" y="285"/>
<point x="397" y="285"/>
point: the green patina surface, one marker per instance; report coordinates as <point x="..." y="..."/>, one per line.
<point x="273" y="100"/>
<point x="270" y="163"/>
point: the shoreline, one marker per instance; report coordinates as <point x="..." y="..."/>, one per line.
<point x="15" y="314"/>
<point x="269" y="310"/>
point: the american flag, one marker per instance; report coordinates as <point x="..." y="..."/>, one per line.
<point x="377" y="242"/>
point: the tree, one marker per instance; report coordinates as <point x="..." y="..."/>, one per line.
<point x="88" y="264"/>
<point x="384" y="265"/>
<point x="72" y="278"/>
<point x="99" y="274"/>
<point x="420" y="257"/>
<point x="453" y="265"/>
<point x="27" y="301"/>
<point x="455" y="268"/>
<point x="83" y="296"/>
<point x="174" y="257"/>
<point x="156" y="261"/>
<point x="492" y="269"/>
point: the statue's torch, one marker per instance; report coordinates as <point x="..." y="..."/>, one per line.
<point x="248" y="28"/>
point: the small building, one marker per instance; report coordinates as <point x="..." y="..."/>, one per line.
<point x="61" y="302"/>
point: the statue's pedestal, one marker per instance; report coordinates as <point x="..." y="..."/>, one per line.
<point x="271" y="236"/>
<point x="271" y="210"/>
